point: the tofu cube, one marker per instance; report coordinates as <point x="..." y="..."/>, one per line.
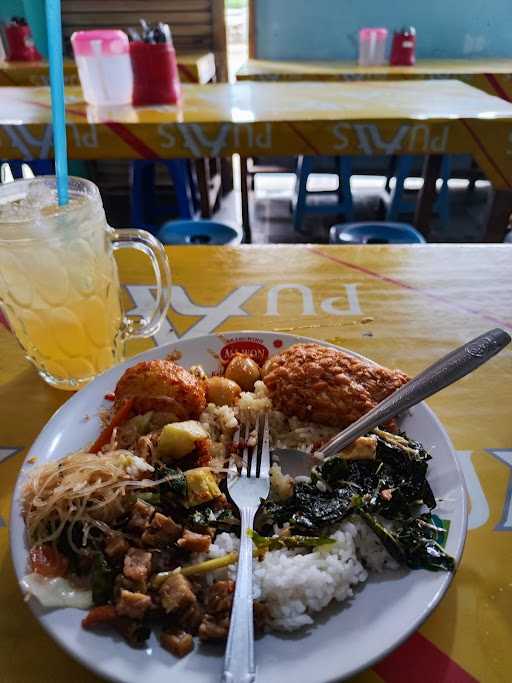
<point x="179" y="438"/>
<point x="201" y="486"/>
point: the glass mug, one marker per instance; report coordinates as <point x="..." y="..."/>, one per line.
<point x="59" y="286"/>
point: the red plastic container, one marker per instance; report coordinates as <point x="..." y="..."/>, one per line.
<point x="20" y="46"/>
<point x="155" y="73"/>
<point x="403" y="51"/>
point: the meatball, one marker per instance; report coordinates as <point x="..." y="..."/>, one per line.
<point x="325" y="385"/>
<point x="161" y="385"/>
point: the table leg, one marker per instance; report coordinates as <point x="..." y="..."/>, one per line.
<point x="244" y="191"/>
<point x="500" y="216"/>
<point x="226" y="174"/>
<point x="426" y="197"/>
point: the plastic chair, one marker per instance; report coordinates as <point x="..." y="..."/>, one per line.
<point x="401" y="204"/>
<point x="145" y="209"/>
<point x="375" y="233"/>
<point x="344" y="204"/>
<point x="199" y="232"/>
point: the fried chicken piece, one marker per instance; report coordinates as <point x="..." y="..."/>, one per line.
<point x="325" y="385"/>
<point x="162" y="386"/>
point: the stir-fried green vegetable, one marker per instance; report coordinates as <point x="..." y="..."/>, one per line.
<point x="413" y="543"/>
<point x="309" y="508"/>
<point x="102" y="580"/>
<point x="206" y="517"/>
<point x="264" y="543"/>
<point x="176" y="483"/>
<point x="392" y="486"/>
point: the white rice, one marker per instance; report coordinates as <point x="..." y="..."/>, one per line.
<point x="256" y="401"/>
<point x="295" y="584"/>
<point x="285" y="432"/>
<point x="220" y="422"/>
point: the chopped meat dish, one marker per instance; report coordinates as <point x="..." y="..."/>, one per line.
<point x="178" y="642"/>
<point x="137" y="564"/>
<point x="313" y="382"/>
<point x="161" y="532"/>
<point x="176" y="593"/>
<point x="193" y="542"/>
<point x="133" y="605"/>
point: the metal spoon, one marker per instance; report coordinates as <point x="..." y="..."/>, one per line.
<point x="441" y="374"/>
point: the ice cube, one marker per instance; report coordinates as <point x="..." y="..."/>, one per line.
<point x="40" y="195"/>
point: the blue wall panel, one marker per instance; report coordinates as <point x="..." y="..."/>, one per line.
<point x="327" y="29"/>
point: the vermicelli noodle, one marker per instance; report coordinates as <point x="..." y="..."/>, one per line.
<point x="83" y="488"/>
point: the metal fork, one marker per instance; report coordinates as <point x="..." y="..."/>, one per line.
<point x="246" y="491"/>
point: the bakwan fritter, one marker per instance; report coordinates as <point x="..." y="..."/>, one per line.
<point x="162" y="386"/>
<point x="326" y="385"/>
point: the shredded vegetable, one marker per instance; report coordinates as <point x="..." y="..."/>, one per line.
<point x="117" y="420"/>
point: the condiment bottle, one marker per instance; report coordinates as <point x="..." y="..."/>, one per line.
<point x="403" y="51"/>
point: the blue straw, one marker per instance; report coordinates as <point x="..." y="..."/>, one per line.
<point x="54" y="29"/>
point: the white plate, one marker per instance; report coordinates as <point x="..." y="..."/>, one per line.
<point x="344" y="640"/>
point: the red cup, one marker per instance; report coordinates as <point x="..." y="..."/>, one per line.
<point x="155" y="73"/>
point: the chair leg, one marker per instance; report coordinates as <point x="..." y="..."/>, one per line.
<point x="193" y="186"/>
<point x="244" y="195"/>
<point x="304" y="166"/>
<point x="442" y="203"/>
<point x="178" y="171"/>
<point x="426" y="197"/>
<point x="402" y="170"/>
<point x="203" y="176"/>
<point x="344" y="189"/>
<point x="391" y="171"/>
<point x="226" y="174"/>
<point x="216" y="167"/>
<point x="499" y="216"/>
<point x="142" y="192"/>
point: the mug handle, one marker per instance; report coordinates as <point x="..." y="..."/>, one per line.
<point x="132" y="238"/>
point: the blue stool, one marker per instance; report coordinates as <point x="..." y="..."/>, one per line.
<point x="199" y="232"/>
<point x="401" y="204"/>
<point x="375" y="233"/>
<point x="145" y="210"/>
<point x="344" y="205"/>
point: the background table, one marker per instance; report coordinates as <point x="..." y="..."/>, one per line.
<point x="263" y="119"/>
<point x="194" y="67"/>
<point x="402" y="306"/>
<point x="494" y="76"/>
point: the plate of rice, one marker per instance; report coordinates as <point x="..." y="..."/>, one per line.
<point x="124" y="539"/>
